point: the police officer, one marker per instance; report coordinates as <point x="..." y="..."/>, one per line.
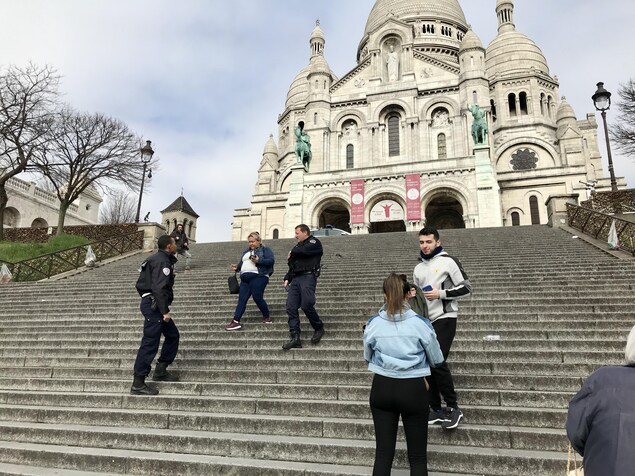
<point x="300" y="282"/>
<point x="154" y="285"/>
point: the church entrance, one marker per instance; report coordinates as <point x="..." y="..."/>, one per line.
<point x="444" y="213"/>
<point x="336" y="215"/>
<point x="387" y="216"/>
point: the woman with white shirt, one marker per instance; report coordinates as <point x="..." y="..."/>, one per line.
<point x="255" y="267"/>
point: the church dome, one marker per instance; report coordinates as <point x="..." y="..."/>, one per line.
<point x="319" y="65"/>
<point x="270" y="147"/>
<point x="512" y="51"/>
<point x="565" y="112"/>
<point x="470" y="41"/>
<point x="408" y="10"/>
<point x="299" y="89"/>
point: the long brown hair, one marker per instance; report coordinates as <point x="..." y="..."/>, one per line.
<point x="396" y="288"/>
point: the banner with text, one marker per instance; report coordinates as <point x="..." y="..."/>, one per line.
<point x="413" y="192"/>
<point x="357" y="201"/>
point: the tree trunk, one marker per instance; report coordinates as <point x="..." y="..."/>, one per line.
<point x="61" y="217"/>
<point x="4" y="199"/>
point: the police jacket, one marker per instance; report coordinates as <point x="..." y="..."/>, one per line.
<point x="157" y="277"/>
<point x="304" y="257"/>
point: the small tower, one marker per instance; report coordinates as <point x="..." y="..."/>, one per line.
<point x="180" y="211"/>
<point x="473" y="82"/>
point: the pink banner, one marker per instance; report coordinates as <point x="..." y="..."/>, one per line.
<point x="357" y="201"/>
<point x="413" y="201"/>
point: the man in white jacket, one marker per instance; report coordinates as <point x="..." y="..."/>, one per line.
<point x="442" y="279"/>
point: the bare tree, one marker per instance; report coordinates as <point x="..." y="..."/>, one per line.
<point x="84" y="149"/>
<point x="119" y="208"/>
<point x="27" y="101"/>
<point x="623" y="133"/>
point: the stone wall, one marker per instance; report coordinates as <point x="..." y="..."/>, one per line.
<point x="92" y="232"/>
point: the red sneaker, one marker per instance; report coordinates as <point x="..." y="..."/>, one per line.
<point x="233" y="326"/>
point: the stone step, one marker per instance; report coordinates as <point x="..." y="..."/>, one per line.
<point x="27" y="470"/>
<point x="481" y="461"/>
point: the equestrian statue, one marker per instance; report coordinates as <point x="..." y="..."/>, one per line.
<point x="302" y="146"/>
<point x="479" y="125"/>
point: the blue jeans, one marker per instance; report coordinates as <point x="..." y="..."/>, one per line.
<point x="302" y="295"/>
<point x="153" y="327"/>
<point x="252" y="284"/>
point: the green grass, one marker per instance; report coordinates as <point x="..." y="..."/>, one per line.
<point x="13" y="252"/>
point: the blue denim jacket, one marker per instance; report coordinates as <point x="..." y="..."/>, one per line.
<point x="265" y="260"/>
<point x="401" y="346"/>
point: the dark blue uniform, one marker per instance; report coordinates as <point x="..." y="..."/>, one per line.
<point x="155" y="288"/>
<point x="304" y="265"/>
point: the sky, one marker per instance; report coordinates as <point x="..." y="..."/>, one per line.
<point x="205" y="80"/>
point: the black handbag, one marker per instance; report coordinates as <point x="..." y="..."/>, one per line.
<point x="232" y="281"/>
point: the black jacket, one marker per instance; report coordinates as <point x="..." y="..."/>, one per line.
<point x="181" y="242"/>
<point x="305" y="257"/>
<point x="601" y="422"/>
<point x="157" y="277"/>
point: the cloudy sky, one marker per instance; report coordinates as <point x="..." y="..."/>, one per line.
<point x="205" y="80"/>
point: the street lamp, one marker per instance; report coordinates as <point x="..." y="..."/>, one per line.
<point x="146" y="157"/>
<point x="602" y="102"/>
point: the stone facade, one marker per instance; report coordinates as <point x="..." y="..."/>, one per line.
<point x="391" y="141"/>
<point x="31" y="206"/>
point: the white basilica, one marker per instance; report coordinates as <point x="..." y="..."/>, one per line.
<point x="391" y="140"/>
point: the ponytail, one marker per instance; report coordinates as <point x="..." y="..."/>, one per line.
<point x="396" y="288"/>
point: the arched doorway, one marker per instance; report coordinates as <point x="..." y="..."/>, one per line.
<point x="444" y="212"/>
<point x="335" y="214"/>
<point x="387" y="216"/>
<point x="11" y="217"/>
<point x="39" y="223"/>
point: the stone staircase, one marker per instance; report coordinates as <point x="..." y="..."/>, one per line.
<point x="561" y="308"/>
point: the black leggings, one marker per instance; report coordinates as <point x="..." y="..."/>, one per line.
<point x="389" y="398"/>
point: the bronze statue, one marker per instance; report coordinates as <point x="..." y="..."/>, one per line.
<point x="302" y="146"/>
<point x="479" y="125"/>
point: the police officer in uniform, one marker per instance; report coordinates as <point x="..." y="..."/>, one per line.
<point x="154" y="285"/>
<point x="300" y="282"/>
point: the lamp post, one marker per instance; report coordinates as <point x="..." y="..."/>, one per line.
<point x="146" y="157"/>
<point x="602" y="102"/>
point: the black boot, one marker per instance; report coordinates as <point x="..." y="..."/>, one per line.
<point x="294" y="342"/>
<point x="139" y="387"/>
<point x="161" y="373"/>
<point x="317" y="335"/>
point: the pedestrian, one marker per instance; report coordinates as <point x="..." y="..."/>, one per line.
<point x="400" y="346"/>
<point x="255" y="267"/>
<point x="300" y="282"/>
<point x="442" y="279"/>
<point x="154" y="285"/>
<point x="601" y="418"/>
<point x="182" y="244"/>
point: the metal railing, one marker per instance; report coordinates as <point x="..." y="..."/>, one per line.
<point x="48" y="265"/>
<point x="598" y="224"/>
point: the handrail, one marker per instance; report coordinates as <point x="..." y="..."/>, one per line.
<point x="598" y="224"/>
<point x="50" y="264"/>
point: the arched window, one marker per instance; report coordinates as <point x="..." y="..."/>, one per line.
<point x="350" y="155"/>
<point x="393" y="135"/>
<point x="493" y="109"/>
<point x="276" y="233"/>
<point x="522" y="99"/>
<point x="543" y="99"/>
<point x="442" y="147"/>
<point x="189" y="228"/>
<point x="515" y="219"/>
<point x="549" y="102"/>
<point x="474" y="97"/>
<point x="533" y="207"/>
<point x="315" y="115"/>
<point x="511" y="99"/>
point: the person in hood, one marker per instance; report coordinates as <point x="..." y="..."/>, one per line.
<point x="443" y="281"/>
<point x="400" y="346"/>
<point x="601" y="418"/>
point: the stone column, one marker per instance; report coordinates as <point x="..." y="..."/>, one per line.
<point x="294" y="206"/>
<point x="151" y="234"/>
<point x="557" y="209"/>
<point x="488" y="191"/>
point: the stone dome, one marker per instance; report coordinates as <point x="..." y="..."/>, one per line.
<point x="270" y="147"/>
<point x="512" y="51"/>
<point x="318" y="64"/>
<point x="565" y="112"/>
<point x="299" y="89"/>
<point x="408" y="10"/>
<point x="317" y="33"/>
<point x="470" y="41"/>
